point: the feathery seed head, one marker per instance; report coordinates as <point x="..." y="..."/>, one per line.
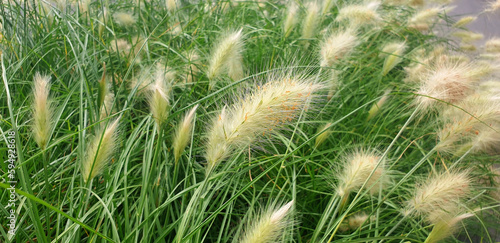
<point x="270" y="226"/>
<point x="377" y="106"/>
<point x="359" y="15"/>
<point x="478" y="127"/>
<point x="124" y="19"/>
<point x="445" y="227"/>
<point x="327" y="5"/>
<point x="106" y="108"/>
<point x="356" y="170"/>
<point x="464" y="21"/>
<point x="448" y="81"/>
<point x="265" y="110"/>
<point x="338" y="46"/>
<point x="357" y="220"/>
<point x="100" y="151"/>
<point x="159" y="97"/>
<point x="171" y="5"/>
<point x="333" y="82"/>
<point x="183" y="133"/>
<point x="227" y="57"/>
<point x="466" y="47"/>
<point x="311" y="22"/>
<point x="193" y="61"/>
<point x="121" y="46"/>
<point x="290" y="20"/>
<point x="324" y="134"/>
<point x="493" y="6"/>
<point x="493" y="45"/>
<point x="422" y="19"/>
<point x="143" y="80"/>
<point x="42" y="110"/>
<point x="468" y="36"/>
<point x="394" y="51"/>
<point x="441" y="192"/>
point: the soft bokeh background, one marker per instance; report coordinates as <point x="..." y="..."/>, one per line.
<point x="487" y="24"/>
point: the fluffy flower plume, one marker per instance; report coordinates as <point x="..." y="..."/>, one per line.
<point x="377" y="106"/>
<point x="227" y="57"/>
<point x="476" y="127"/>
<point x="358" y="15"/>
<point x="171" y="5"/>
<point x="325" y="133"/>
<point x="464" y="21"/>
<point x="422" y="60"/>
<point x="440" y="193"/>
<point x="265" y="110"/>
<point x="445" y="227"/>
<point x="468" y="36"/>
<point x="338" y="46"/>
<point x="327" y="6"/>
<point x="449" y="81"/>
<point x="107" y="105"/>
<point x="121" y="46"/>
<point x="393" y="52"/>
<point x="424" y="18"/>
<point x="42" y="110"/>
<point x="493" y="6"/>
<point x="270" y="226"/>
<point x="290" y="20"/>
<point x="493" y="45"/>
<point x="357" y="168"/>
<point x="159" y="97"/>
<point x="192" y="68"/>
<point x="311" y="21"/>
<point x="100" y="151"/>
<point x="355" y="221"/>
<point x="124" y="19"/>
<point x="183" y="133"/>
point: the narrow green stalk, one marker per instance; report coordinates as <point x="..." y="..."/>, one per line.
<point x="47" y="189"/>
<point x="325" y="216"/>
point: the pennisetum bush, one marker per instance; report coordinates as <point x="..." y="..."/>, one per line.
<point x="220" y="108"/>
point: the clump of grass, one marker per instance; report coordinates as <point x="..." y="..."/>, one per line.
<point x="266" y="137"/>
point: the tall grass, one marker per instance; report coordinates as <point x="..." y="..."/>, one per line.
<point x="313" y="121"/>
